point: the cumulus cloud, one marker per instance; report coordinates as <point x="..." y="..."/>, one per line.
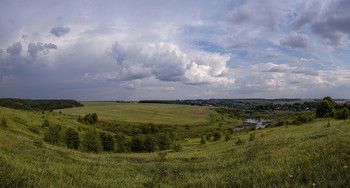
<point x="35" y="48"/>
<point x="15" y="49"/>
<point x="295" y="40"/>
<point x="60" y="31"/>
<point x="166" y="62"/>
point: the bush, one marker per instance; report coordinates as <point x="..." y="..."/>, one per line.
<point x="204" y="140"/>
<point x="122" y="147"/>
<point x="164" y="142"/>
<point x="107" y="141"/>
<point x="342" y="113"/>
<point x="119" y="137"/>
<point x="209" y="135"/>
<point x="217" y="136"/>
<point x="136" y="144"/>
<point x="72" y="138"/>
<point x="150" y="144"/>
<point x="177" y="147"/>
<point x="52" y="135"/>
<point x="91" y="141"/>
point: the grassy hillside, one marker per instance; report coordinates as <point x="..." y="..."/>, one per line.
<point x="143" y="113"/>
<point x="308" y="155"/>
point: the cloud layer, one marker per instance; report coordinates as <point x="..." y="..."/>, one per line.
<point x="120" y="50"/>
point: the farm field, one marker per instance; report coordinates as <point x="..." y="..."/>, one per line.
<point x="143" y="113"/>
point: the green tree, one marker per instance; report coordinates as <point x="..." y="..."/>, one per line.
<point x="72" y="138"/>
<point x="326" y="108"/>
<point x="52" y="135"/>
<point x="91" y="141"/>
<point x="107" y="141"/>
<point x="94" y="117"/>
<point x="342" y="113"/>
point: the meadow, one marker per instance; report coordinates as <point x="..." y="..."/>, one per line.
<point x="315" y="154"/>
<point x="143" y="113"/>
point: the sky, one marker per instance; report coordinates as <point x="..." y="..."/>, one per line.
<point x="174" y="49"/>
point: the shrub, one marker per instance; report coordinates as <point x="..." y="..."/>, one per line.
<point x="209" y="135"/>
<point x="136" y="144"/>
<point x="342" y="113"/>
<point x="52" y="135"/>
<point x="150" y="143"/>
<point x="204" y="140"/>
<point x="164" y="142"/>
<point x="72" y="138"/>
<point x="107" y="141"/>
<point x="122" y="147"/>
<point x="91" y="141"/>
<point x="177" y="147"/>
<point x="119" y="137"/>
<point x="217" y="136"/>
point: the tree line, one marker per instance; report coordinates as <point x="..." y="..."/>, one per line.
<point x="37" y="105"/>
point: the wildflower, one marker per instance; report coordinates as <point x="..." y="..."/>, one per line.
<point x="290" y="176"/>
<point x="313" y="184"/>
<point x="345" y="166"/>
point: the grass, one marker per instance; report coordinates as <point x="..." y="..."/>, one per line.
<point x="309" y="155"/>
<point x="143" y="113"/>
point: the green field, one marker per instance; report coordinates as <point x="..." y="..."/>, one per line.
<point x="143" y="113"/>
<point x="309" y="155"/>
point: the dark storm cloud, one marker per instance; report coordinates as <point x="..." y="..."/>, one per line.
<point x="295" y="40"/>
<point x="59" y="31"/>
<point x="35" y="48"/>
<point x="329" y="20"/>
<point x="15" y="49"/>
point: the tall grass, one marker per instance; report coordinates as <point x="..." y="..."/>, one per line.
<point x="298" y="156"/>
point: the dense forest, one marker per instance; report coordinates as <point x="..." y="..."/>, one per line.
<point x="37" y="105"/>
